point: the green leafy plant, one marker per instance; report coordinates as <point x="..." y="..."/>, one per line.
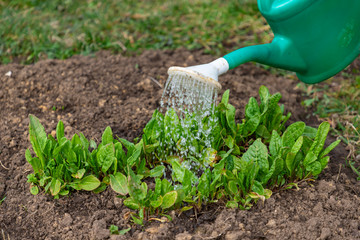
<point x="60" y="165"/>
<point x="338" y="103"/>
<point x="115" y="230"/>
<point x="212" y="160"/>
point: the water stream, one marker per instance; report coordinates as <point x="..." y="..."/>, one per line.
<point x="194" y="103"/>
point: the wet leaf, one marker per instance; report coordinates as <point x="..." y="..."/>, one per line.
<point x="158" y="171"/>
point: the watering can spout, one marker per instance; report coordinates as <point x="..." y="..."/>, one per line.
<point x="279" y="53"/>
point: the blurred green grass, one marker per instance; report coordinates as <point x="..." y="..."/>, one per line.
<point x="35" y="29"/>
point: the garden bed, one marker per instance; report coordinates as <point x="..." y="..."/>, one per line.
<point x="90" y="93"/>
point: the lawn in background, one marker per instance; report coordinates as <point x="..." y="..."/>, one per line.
<point x="35" y="29"/>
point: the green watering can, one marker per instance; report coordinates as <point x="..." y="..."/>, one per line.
<point x="314" y="38"/>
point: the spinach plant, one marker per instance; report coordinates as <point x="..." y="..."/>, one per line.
<point x="186" y="165"/>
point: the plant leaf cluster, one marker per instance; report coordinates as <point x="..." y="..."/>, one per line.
<point x="244" y="162"/>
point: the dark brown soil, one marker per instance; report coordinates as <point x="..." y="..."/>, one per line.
<point x="90" y="93"/>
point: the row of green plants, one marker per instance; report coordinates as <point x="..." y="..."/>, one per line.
<point x="245" y="161"/>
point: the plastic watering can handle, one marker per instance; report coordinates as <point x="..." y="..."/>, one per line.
<point x="314" y="38"/>
<point x="282" y="9"/>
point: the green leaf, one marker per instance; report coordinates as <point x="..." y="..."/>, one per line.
<point x="157" y="171"/>
<point x="169" y="199"/>
<point x="100" y="188"/>
<point x="107" y="136"/>
<point x="232" y="204"/>
<point x="230" y="118"/>
<point x="124" y="231"/>
<point x="178" y="170"/>
<point x="34" y="190"/>
<point x="93" y="144"/>
<point x="275" y="143"/>
<point x="258" y="153"/>
<point x="290" y="157"/>
<point x="34" y="162"/>
<point x="309" y="159"/>
<point x="128" y="145"/>
<point x="320" y="138"/>
<point x="165" y="186"/>
<point x="292" y="133"/>
<point x="251" y="125"/>
<point x="89" y="183"/>
<point x="233" y="187"/>
<point x="64" y="192"/>
<point x="119" y="183"/>
<point x="137" y="190"/>
<point x="106" y="156"/>
<point x="79" y="174"/>
<point x="37" y="138"/>
<point x="158" y="186"/>
<point x="60" y="130"/>
<point x="131" y="203"/>
<point x="329" y="148"/>
<point x="258" y="188"/>
<point x="263" y="132"/>
<point x="186" y="208"/>
<point x="84" y="142"/>
<point x="172" y="125"/>
<point x="209" y="156"/>
<point x="135" y="155"/>
<point x="324" y="162"/>
<point x="279" y="166"/>
<point x="264" y="94"/>
<point x="252" y="109"/>
<point x="157" y="203"/>
<point x="315" y="168"/>
<point x="114" y="229"/>
<point x="55" y="186"/>
<point x="310" y="132"/>
<point x="225" y="97"/>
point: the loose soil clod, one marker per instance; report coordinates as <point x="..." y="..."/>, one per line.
<point x="89" y="94"/>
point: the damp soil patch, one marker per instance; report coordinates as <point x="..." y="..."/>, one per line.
<point x="90" y="93"/>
